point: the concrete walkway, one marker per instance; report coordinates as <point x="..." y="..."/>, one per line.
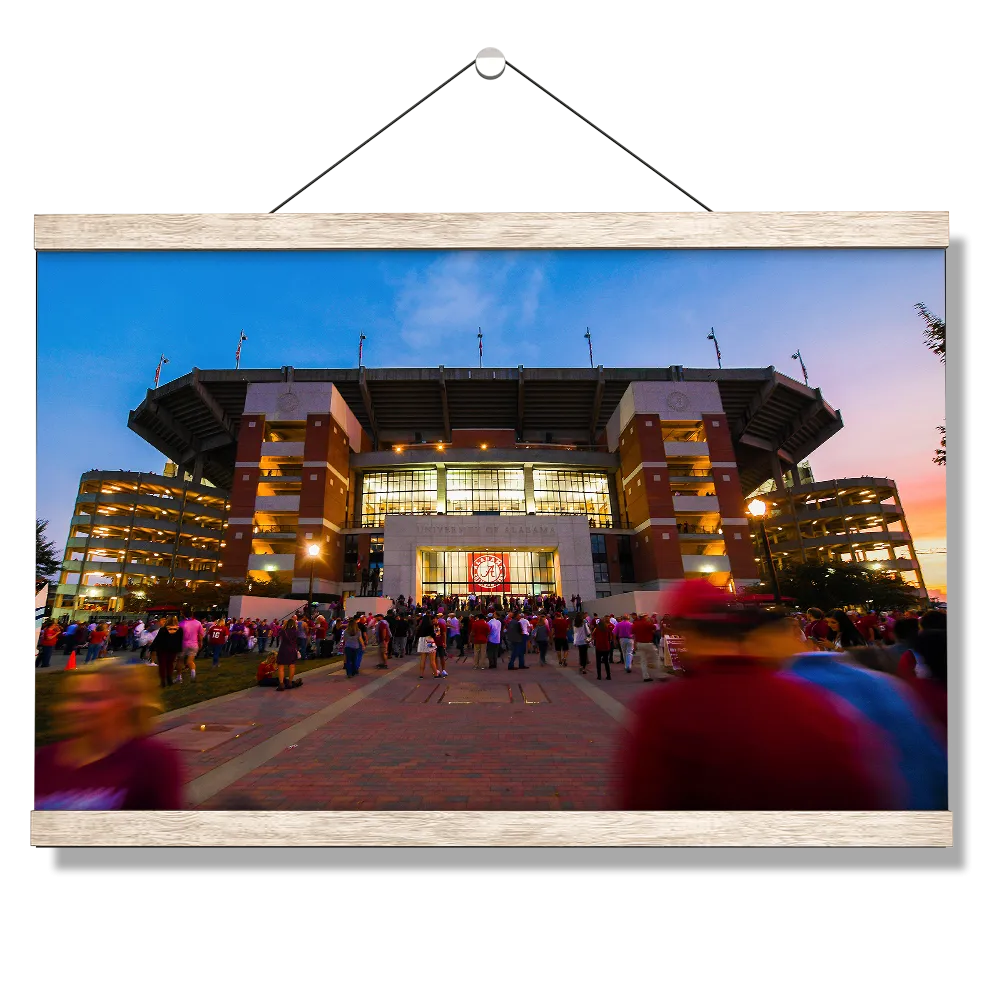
<point x="542" y="738"/>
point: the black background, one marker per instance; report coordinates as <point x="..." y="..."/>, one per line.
<point x="838" y="119"/>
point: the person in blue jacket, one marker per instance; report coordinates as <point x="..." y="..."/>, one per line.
<point x="916" y="742"/>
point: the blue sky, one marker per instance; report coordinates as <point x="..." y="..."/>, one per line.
<point x="104" y="318"/>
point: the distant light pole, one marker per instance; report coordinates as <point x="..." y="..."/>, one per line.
<point x="757" y="509"/>
<point x="590" y="345"/>
<point x="239" y="348"/>
<point x="480" y="347"/>
<point x="805" y="374"/>
<point x="361" y="343"/>
<point x="715" y="340"/>
<point x="313" y="551"/>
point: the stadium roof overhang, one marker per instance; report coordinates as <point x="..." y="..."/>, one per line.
<point x="199" y="414"/>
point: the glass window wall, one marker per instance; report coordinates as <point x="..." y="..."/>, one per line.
<point x="485" y="491"/>
<point x="407" y="491"/>
<point x="567" y="491"/>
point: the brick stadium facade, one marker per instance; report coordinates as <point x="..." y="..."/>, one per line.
<point x="597" y="482"/>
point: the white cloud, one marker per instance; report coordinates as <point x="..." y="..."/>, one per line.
<point x="444" y="303"/>
<point x="530" y="295"/>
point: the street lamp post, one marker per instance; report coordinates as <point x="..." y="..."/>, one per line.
<point x="757" y="510"/>
<point x="313" y="551"/>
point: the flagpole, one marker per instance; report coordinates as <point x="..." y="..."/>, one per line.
<point x="802" y="364"/>
<point x="163" y="361"/>
<point x="239" y="348"/>
<point x="715" y="340"/>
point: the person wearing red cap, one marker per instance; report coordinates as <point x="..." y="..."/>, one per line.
<point x="738" y="733"/>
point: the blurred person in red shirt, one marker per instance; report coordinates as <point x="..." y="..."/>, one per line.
<point x="106" y="759"/>
<point x="95" y="644"/>
<point x="479" y="634"/>
<point x="560" y="637"/>
<point x="119" y="633"/>
<point x="930" y="682"/>
<point x="906" y="631"/>
<point x="644" y="632"/>
<point x="815" y="628"/>
<point x="602" y="636"/>
<point x="47" y="640"/>
<point x="218" y="634"/>
<point x="868" y="626"/>
<point x="736" y="733"/>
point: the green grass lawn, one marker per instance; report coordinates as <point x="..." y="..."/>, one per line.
<point x="234" y="673"/>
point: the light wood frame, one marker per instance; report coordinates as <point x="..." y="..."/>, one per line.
<point x="640" y="230"/>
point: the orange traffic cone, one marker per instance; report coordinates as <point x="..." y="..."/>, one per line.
<point x="71" y="662"/>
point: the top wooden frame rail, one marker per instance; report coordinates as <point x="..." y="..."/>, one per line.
<point x="507" y="230"/>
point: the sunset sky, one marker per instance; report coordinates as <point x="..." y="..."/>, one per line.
<point x="104" y="318"/>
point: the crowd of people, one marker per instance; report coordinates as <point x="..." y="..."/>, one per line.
<point x="829" y="710"/>
<point x="764" y="709"/>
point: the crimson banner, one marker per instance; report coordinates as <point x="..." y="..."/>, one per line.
<point x="489" y="573"/>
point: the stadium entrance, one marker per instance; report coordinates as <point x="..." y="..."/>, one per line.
<point x="467" y="572"/>
<point x="512" y="555"/>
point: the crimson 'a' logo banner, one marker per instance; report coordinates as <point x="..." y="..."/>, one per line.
<point x="489" y="573"/>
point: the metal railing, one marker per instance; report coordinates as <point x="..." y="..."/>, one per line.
<point x="677" y="471"/>
<point x="294" y="611"/>
<point x="441" y="446"/>
<point x="377" y="521"/>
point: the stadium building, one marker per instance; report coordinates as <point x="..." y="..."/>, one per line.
<point x="858" y="520"/>
<point x="130" y="531"/>
<point x="435" y="481"/>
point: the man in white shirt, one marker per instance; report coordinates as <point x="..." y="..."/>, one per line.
<point x="493" y="643"/>
<point x="147" y="637"/>
<point x="137" y="634"/>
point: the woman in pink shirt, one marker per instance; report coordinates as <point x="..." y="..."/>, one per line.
<point x="193" y="632"/>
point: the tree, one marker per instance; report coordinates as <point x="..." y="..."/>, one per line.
<point x="46" y="563"/>
<point x="934" y="330"/>
<point x="887" y="592"/>
<point x="158" y="595"/>
<point x="934" y="338"/>
<point x="835" y="585"/>
<point x="261" y="588"/>
<point x="940" y="453"/>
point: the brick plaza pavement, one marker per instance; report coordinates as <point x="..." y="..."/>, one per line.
<point x="542" y="738"/>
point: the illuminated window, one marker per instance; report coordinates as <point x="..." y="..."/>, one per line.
<point x="481" y="491"/>
<point x="567" y="491"/>
<point x="406" y="491"/>
<point x="452" y="573"/>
